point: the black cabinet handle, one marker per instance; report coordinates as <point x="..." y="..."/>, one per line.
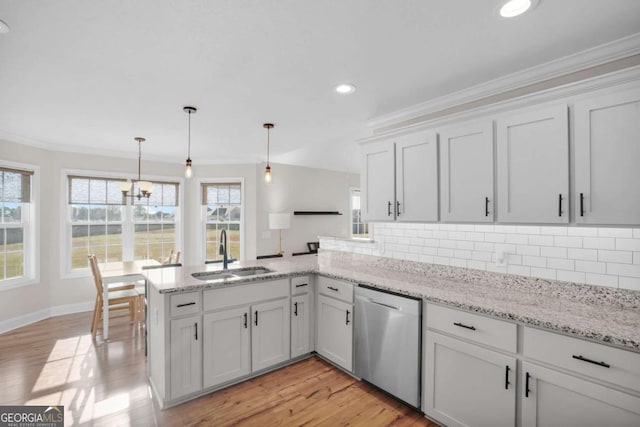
<point x="301" y="285"/>
<point x="332" y="288"/>
<point x="397" y="208"/>
<point x="584" y="359"/>
<point x="348" y="317"/>
<point x="506" y="377"/>
<point x="295" y="309"/>
<point x="581" y="204"/>
<point x="245" y="320"/>
<point x="186" y="304"/>
<point x="388" y="208"/>
<point x="526" y="385"/>
<point x="256" y="319"/>
<point x="473" y="328"/>
<point x="559" y="204"/>
<point x="196" y="334"/>
<point x="486" y="206"/>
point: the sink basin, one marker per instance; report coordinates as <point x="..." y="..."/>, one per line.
<point x="230" y="274"/>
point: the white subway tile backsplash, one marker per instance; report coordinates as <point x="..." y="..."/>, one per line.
<point x="617" y="256"/>
<point x="599" y="242"/>
<point x="591" y="267"/>
<point x="594" y="255"/>
<point x="571" y="276"/>
<point x="582" y="254"/>
<point x="628" y="244"/>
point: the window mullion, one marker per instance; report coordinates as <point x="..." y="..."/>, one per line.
<point x="127" y="233"/>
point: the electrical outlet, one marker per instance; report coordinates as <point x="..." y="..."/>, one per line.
<point x="501" y="259"/>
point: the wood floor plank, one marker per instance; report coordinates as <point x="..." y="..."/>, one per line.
<point x="56" y="362"/>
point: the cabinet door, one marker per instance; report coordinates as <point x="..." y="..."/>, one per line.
<point x="186" y="356"/>
<point x="270" y="340"/>
<point x="417" y="178"/>
<point x="550" y="398"/>
<point x="607" y="155"/>
<point x="467" y="385"/>
<point x="300" y="327"/>
<point x="226" y="341"/>
<point x="377" y="181"/>
<point x="466" y="173"/>
<point x="335" y="331"/>
<point x="533" y="167"/>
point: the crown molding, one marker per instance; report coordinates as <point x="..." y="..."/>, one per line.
<point x="599" y="55"/>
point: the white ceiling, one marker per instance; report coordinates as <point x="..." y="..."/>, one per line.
<point x="89" y="75"/>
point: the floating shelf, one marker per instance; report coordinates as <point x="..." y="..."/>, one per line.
<point x="317" y="213"/>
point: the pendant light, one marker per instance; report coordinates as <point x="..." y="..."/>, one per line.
<point x="267" y="170"/>
<point x="145" y="188"/>
<point x="188" y="173"/>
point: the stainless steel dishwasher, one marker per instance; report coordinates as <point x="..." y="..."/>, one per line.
<point x="388" y="342"/>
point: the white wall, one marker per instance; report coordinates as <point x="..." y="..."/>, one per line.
<point x="591" y="255"/>
<point x="296" y="188"/>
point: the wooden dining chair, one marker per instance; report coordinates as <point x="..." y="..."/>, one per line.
<point x="126" y="298"/>
<point x="173" y="258"/>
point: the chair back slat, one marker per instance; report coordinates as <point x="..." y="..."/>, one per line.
<point x="97" y="277"/>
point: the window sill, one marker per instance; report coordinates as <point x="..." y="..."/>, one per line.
<point x="18" y="283"/>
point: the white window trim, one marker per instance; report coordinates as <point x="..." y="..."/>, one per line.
<point x="350" y="219"/>
<point x="32" y="232"/>
<point x="127" y="227"/>
<point x="203" y="215"/>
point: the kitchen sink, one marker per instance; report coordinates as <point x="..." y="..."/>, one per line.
<point x="230" y="274"/>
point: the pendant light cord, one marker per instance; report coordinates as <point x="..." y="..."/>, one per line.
<point x="268" y="141"/>
<point x="139" y="159"/>
<point x="189" y="149"/>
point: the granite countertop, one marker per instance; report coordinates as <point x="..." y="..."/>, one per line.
<point x="605" y="315"/>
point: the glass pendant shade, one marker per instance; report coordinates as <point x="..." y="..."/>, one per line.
<point x="267" y="175"/>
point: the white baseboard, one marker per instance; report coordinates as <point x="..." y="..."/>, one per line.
<point x="36" y="316"/>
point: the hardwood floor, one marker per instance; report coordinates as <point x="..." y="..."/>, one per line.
<point x="56" y="362"/>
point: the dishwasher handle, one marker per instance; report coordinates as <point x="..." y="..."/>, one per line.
<point x="393" y="307"/>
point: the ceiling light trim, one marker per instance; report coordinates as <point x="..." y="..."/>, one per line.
<point x="599" y="55"/>
<point x="507" y="9"/>
<point x="4" y="27"/>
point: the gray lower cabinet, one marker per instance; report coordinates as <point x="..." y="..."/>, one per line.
<point x="300" y="325"/>
<point x="186" y="356"/>
<point x="467" y="385"/>
<point x="533" y="166"/>
<point x="270" y="340"/>
<point x="607" y="159"/>
<point x="551" y="398"/>
<point x="335" y="331"/>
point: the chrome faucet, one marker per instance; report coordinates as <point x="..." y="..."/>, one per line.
<point x="223" y="249"/>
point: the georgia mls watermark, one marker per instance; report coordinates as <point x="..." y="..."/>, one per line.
<point x="31" y="416"/>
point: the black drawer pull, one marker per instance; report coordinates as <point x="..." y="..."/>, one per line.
<point x="388" y="208"/>
<point x="185" y="304"/>
<point x="397" y="208"/>
<point x="256" y="319"/>
<point x="486" y="206"/>
<point x="348" y="317"/>
<point x="295" y="309"/>
<point x="473" y="328"/>
<point x="196" y="334"/>
<point x="559" y="204"/>
<point x="526" y="385"/>
<point x="301" y="285"/>
<point x="584" y="359"/>
<point x="332" y="288"/>
<point x="581" y="204"/>
<point x="506" y="377"/>
<point x="245" y="320"/>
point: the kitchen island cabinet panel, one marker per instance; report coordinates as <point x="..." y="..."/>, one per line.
<point x="335" y="331"/>
<point x="186" y="356"/>
<point x="270" y="340"/>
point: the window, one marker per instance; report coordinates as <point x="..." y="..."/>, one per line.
<point x="116" y="228"/>
<point x="359" y="229"/>
<point x="15" y="223"/>
<point x="222" y="203"/>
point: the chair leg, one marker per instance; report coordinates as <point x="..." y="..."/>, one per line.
<point x="96" y="317"/>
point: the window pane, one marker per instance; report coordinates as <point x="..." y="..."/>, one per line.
<point x="114" y="194"/>
<point x="212" y="194"/>
<point x="235" y="213"/>
<point x="98" y="214"/>
<point x="12" y="188"/>
<point x="79" y="257"/>
<point x="12" y="212"/>
<point x="169" y="195"/>
<point x="15" y="240"/>
<point x="79" y="190"/>
<point x="79" y="236"/>
<point x="235" y="194"/>
<point x="114" y="213"/>
<point x="223" y="194"/>
<point x="223" y="214"/>
<point x="15" y="264"/>
<point x="97" y="191"/>
<point x="140" y="251"/>
<point x="155" y="251"/>
<point x="212" y="212"/>
<point x="79" y="213"/>
<point x="114" y="235"/>
<point x="139" y="213"/>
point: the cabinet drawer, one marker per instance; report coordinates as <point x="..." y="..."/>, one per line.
<point x="617" y="366"/>
<point x="483" y="330"/>
<point x="336" y="289"/>
<point x="300" y="285"/>
<point x="250" y="293"/>
<point x="187" y="303"/>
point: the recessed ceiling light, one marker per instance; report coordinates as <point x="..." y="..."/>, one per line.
<point x="4" y="28"/>
<point x="513" y="8"/>
<point x="345" y="88"/>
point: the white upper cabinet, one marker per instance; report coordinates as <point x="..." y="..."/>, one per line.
<point x="399" y="179"/>
<point x="377" y="181"/>
<point x="466" y="173"/>
<point x="417" y="178"/>
<point x="607" y="159"/>
<point x="533" y="166"/>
